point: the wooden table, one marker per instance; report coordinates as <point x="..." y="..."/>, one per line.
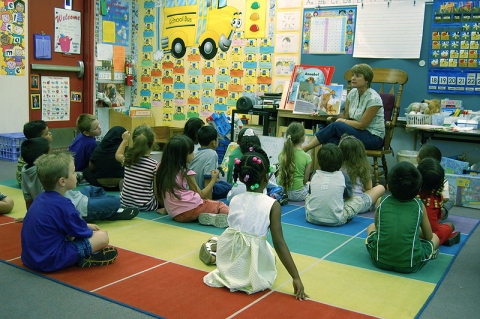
<point x="436" y="132"/>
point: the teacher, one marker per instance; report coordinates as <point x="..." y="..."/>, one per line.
<point x="362" y="117"/>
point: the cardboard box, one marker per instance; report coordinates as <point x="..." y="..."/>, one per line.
<point x="464" y="190"/>
<point x="140" y="112"/>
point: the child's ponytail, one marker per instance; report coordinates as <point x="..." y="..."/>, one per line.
<point x="143" y="139"/>
<point x="294" y="135"/>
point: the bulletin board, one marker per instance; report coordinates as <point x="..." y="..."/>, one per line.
<point x="328" y="31"/>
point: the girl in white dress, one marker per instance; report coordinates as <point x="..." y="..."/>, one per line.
<point x="245" y="260"/>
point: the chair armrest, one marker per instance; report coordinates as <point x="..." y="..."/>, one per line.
<point x="331" y="119"/>
<point x="388" y="125"/>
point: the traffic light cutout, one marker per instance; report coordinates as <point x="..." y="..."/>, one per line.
<point x="256" y="19"/>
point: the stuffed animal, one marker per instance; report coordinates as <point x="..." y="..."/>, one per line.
<point x="433" y="106"/>
<point x="417" y="108"/>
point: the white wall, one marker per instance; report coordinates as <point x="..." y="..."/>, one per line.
<point x="14" y="102"/>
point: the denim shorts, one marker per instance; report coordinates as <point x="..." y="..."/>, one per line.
<point x="84" y="248"/>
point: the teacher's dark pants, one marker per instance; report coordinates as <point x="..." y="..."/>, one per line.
<point x="333" y="132"/>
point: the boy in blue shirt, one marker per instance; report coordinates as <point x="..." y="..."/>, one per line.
<point x="205" y="160"/>
<point x="54" y="236"/>
<point x="85" y="142"/>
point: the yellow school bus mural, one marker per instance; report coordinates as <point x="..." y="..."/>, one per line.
<point x="210" y="24"/>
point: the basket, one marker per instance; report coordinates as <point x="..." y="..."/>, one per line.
<point x="10" y="144"/>
<point x="418" y="119"/>
<point x="407" y="156"/>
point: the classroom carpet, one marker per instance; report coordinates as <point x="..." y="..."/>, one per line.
<point x="158" y="270"/>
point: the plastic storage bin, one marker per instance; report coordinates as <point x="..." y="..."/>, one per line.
<point x="418" y="119"/>
<point x="407" y="156"/>
<point x="10" y="146"/>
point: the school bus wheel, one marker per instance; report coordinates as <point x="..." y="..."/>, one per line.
<point x="178" y="48"/>
<point x="208" y="49"/>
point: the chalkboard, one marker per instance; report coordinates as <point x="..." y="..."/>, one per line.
<point x="415" y="90"/>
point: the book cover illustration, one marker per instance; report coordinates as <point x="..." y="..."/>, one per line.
<point x="320" y="99"/>
<point x="303" y="81"/>
<point x="329" y="99"/>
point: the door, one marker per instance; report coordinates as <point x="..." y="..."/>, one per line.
<point x="41" y="19"/>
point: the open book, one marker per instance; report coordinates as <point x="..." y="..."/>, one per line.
<point x="305" y="78"/>
<point x="323" y="99"/>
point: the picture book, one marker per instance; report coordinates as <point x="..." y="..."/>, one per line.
<point x="322" y="99"/>
<point x="306" y="78"/>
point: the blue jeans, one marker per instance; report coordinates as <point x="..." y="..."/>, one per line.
<point x="84" y="248"/>
<point x="333" y="132"/>
<point x="220" y="190"/>
<point x="100" y="205"/>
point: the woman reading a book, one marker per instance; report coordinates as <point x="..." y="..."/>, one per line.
<point x="362" y="117"/>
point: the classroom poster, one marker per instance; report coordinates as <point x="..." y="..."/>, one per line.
<point x="328" y="31"/>
<point x="68" y="31"/>
<point x="55" y="98"/>
<point x="116" y="23"/>
<point x="12" y="38"/>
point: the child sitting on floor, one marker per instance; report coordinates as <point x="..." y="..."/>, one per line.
<point x="184" y="200"/>
<point x="85" y="142"/>
<point x="430" y="193"/>
<point x="356" y="165"/>
<point x="92" y="202"/>
<point x="140" y="167"/>
<point x="429" y="150"/>
<point x="53" y="235"/>
<point x="295" y="166"/>
<point x="331" y="201"/>
<point x="206" y="160"/>
<point x="401" y="238"/>
<point x="244" y="258"/>
<point x="32" y="129"/>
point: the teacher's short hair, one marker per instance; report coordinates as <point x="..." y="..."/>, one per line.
<point x="364" y="69"/>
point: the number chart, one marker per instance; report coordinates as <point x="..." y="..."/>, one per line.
<point x="328" y="31"/>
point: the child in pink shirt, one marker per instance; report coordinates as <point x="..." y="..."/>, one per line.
<point x="177" y="189"/>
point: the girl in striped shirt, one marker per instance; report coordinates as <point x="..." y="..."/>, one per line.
<point x="137" y="188"/>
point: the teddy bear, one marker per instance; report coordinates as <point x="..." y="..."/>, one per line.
<point x="433" y="106"/>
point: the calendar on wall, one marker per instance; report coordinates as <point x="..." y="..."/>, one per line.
<point x="328" y="31"/>
<point x="455" y="48"/>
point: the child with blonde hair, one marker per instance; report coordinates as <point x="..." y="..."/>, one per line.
<point x="140" y="167"/>
<point x="176" y="187"/>
<point x="244" y="258"/>
<point x="356" y="165"/>
<point x="54" y="236"/>
<point x="295" y="166"/>
<point x="85" y="142"/>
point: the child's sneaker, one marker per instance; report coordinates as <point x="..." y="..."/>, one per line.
<point x="125" y="214"/>
<point x="104" y="257"/>
<point x="453" y="239"/>
<point x="284" y="200"/>
<point x="208" y="253"/>
<point x="217" y="220"/>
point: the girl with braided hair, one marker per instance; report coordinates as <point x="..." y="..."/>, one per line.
<point x="295" y="166"/>
<point x="244" y="258"/>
